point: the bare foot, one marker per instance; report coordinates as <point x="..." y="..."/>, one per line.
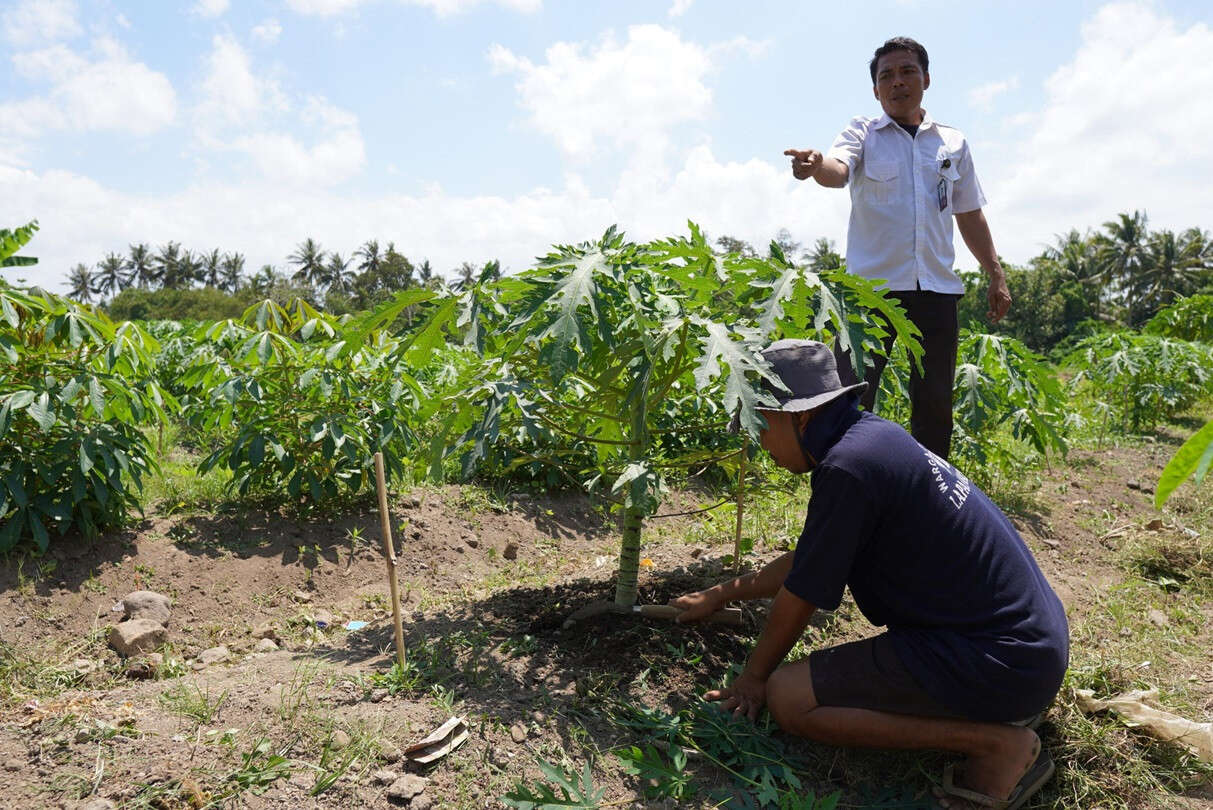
<point x="996" y="772"/>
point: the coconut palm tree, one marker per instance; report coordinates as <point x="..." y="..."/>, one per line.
<point x="823" y="256"/>
<point x="1122" y="252"/>
<point x="140" y="266"/>
<point x="425" y="273"/>
<point x="308" y="260"/>
<point x="1077" y="256"/>
<point x="110" y="277"/>
<point x="465" y="276"/>
<point x="167" y="262"/>
<point x="232" y="267"/>
<point x="264" y="279"/>
<point x="80" y="283"/>
<point x="209" y="272"/>
<point x="368" y="256"/>
<point x="1173" y="267"/>
<point x="337" y="275"/>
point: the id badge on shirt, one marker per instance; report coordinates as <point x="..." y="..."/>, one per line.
<point x="941" y="191"/>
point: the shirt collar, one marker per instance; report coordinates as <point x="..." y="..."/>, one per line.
<point x="884" y="120"/>
<point x="825" y="429"/>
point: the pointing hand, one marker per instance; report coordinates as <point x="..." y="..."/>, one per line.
<point x="805" y="162"/>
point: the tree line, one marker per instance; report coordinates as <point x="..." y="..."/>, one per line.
<point x="1118" y="275"/>
<point x="173" y="282"/>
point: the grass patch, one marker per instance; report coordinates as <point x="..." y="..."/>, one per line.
<point x="192" y="703"/>
<point x="45" y="672"/>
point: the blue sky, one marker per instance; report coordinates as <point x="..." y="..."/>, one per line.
<point x="478" y="129"/>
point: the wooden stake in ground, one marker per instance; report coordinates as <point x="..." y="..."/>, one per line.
<point x="389" y="554"/>
<point x="745" y="449"/>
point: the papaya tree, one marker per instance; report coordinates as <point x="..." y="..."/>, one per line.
<point x="601" y="345"/>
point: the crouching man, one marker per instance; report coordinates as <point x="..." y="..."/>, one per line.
<point x="976" y="642"/>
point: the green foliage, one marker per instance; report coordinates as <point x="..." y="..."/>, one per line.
<point x="74" y="390"/>
<point x="576" y="791"/>
<point x="757" y="761"/>
<point x="1192" y="459"/>
<point x="204" y="304"/>
<point x="1049" y="304"/>
<point x="999" y="381"/>
<point x="1142" y="379"/>
<point x="663" y="777"/>
<point x="13" y="240"/>
<point x="1000" y="388"/>
<point x="606" y="347"/>
<point x="303" y="400"/>
<point x="260" y="767"/>
<point x="1188" y="318"/>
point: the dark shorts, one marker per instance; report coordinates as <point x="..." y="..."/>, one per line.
<point x="868" y="674"/>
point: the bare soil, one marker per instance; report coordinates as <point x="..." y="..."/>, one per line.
<point x="486" y="586"/>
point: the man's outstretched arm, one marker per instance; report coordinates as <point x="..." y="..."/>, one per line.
<point x="828" y="172"/>
<point x="785" y="625"/>
<point x="761" y="584"/>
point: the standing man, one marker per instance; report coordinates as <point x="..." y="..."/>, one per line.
<point x="909" y="176"/>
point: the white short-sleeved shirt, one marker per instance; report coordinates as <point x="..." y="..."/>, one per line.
<point x="904" y="192"/>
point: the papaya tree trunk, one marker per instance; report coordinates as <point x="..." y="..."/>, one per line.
<point x="629" y="557"/>
<point x="626" y="585"/>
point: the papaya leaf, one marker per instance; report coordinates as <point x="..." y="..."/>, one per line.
<point x="1193" y="459"/>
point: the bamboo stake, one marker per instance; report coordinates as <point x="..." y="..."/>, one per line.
<point x="389" y="554"/>
<point x="745" y="449"/>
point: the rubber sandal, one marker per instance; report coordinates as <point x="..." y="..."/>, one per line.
<point x="1038" y="773"/>
<point x="1032" y="722"/>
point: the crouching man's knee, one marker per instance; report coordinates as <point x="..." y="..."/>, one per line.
<point x="790" y="696"/>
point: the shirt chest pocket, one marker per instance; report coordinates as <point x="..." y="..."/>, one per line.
<point x="881" y="181"/>
<point x="945" y="178"/>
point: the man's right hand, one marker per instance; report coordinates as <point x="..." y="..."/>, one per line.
<point x="805" y="162"/>
<point x="699" y="605"/>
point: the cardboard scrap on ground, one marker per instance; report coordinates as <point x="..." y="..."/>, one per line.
<point x="1159" y="724"/>
<point x="445" y="739"/>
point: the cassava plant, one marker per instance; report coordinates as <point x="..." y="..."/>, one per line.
<point x="75" y="390"/>
<point x="303" y="400"/>
<point x="604" y="338"/>
<point x="12" y="241"/>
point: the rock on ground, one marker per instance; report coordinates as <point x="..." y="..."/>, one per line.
<point x="214" y="655"/>
<point x="406" y="788"/>
<point x="137" y="636"/>
<point x="149" y="605"/>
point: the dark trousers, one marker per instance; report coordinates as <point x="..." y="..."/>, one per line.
<point x="931" y="392"/>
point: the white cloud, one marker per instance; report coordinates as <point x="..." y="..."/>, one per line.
<point x="267" y="30"/>
<point x="337" y="153"/>
<point x="680" y="7"/>
<point x="628" y="94"/>
<point x="210" y="8"/>
<point x="443" y="8"/>
<point x="248" y="114"/>
<point x="122" y="21"/>
<point x="983" y="95"/>
<point x="230" y="93"/>
<point x="1122" y="129"/>
<point x="33" y="22"/>
<point x="82" y="219"/>
<point x="107" y="92"/>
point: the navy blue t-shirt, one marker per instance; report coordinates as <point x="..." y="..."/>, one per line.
<point x="926" y="553"/>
